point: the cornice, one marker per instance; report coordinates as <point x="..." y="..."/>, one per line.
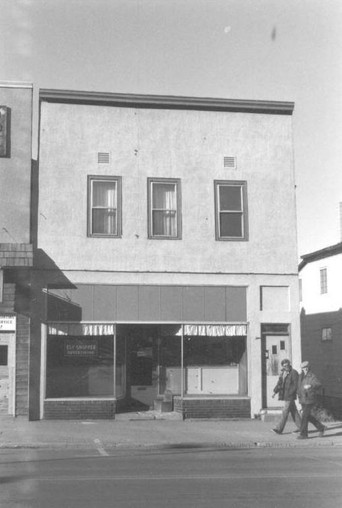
<point x="166" y="102"/>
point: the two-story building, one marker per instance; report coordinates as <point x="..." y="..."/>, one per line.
<point x="166" y="263"/>
<point x="321" y="319"/>
<point x="15" y="245"/>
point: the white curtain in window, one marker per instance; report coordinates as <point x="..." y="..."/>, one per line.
<point x="164" y="209"/>
<point x="78" y="329"/>
<point x="104" y="208"/>
<point x="215" y="330"/>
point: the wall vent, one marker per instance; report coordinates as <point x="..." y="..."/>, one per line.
<point x="103" y="157"/>
<point x="229" y="162"/>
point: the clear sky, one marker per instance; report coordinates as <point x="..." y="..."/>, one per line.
<point x="288" y="50"/>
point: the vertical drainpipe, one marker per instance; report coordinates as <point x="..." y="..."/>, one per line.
<point x="182" y="366"/>
<point x="340" y="221"/>
<point x="114" y="359"/>
<point x="43" y="357"/>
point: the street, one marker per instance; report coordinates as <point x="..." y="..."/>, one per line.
<point x="174" y="477"/>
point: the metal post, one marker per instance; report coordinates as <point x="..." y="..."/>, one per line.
<point x="114" y="361"/>
<point x="182" y="364"/>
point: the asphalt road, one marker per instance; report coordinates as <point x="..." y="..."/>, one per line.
<point x="176" y="477"/>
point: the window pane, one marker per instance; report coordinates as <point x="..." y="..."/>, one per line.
<point x="79" y="366"/>
<point x="164" y="223"/>
<point x="104" y="222"/>
<point x="104" y="194"/>
<point x="326" y="334"/>
<point x="324" y="280"/>
<point x="215" y="365"/>
<point x="3" y="355"/>
<point x="230" y="197"/>
<point x="164" y="196"/>
<point x="170" y="372"/>
<point x="231" y="225"/>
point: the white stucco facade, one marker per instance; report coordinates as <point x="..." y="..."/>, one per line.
<point x="186" y="143"/>
<point x="313" y="300"/>
<point x="189" y="145"/>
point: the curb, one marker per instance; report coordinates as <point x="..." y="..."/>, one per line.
<point x="164" y="446"/>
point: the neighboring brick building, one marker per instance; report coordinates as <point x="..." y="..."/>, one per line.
<point x="159" y="275"/>
<point x="321" y="319"/>
<point x="16" y="255"/>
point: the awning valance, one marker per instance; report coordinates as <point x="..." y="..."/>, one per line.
<point x="215" y="330"/>
<point x="78" y="329"/>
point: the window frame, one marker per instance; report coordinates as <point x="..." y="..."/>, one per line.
<point x="102" y="178"/>
<point x="326" y="334"/>
<point x="323" y="280"/>
<point x="243" y="186"/>
<point x="177" y="183"/>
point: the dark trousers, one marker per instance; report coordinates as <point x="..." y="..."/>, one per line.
<point x="289" y="407"/>
<point x="308" y="417"/>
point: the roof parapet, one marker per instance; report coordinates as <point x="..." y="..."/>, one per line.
<point x="166" y="102"/>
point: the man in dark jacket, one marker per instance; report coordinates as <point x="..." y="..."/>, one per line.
<point x="308" y="388"/>
<point x="287" y="389"/>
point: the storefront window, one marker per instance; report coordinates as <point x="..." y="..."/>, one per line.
<point x="120" y="378"/>
<point x="215" y="365"/>
<point x="170" y="372"/>
<point x="79" y="366"/>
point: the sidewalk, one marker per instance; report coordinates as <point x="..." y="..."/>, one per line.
<point x="130" y="433"/>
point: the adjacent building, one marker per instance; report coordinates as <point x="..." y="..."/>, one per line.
<point x="165" y="269"/>
<point x="321" y="318"/>
<point x="16" y="255"/>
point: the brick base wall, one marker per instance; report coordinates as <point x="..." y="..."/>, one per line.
<point x="213" y="408"/>
<point x="79" y="409"/>
<point x="22" y="365"/>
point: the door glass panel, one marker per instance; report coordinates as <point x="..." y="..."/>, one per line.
<point x="276" y="349"/>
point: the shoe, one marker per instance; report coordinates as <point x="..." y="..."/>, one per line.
<point x="296" y="431"/>
<point x="302" y="437"/>
<point x="276" y="431"/>
<point x="321" y="433"/>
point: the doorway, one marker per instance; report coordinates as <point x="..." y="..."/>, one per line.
<point x="275" y="348"/>
<point x="148" y="365"/>
<point x="137" y="357"/>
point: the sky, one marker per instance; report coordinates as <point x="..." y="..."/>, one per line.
<point x="286" y="50"/>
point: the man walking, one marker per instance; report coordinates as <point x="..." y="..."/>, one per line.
<point x="287" y="390"/>
<point x="308" y="387"/>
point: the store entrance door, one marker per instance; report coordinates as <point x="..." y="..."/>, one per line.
<point x="143" y="371"/>
<point x="275" y="349"/>
<point x="137" y="352"/>
<point x="7" y="370"/>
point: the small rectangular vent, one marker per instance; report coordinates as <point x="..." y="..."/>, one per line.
<point x="229" y="162"/>
<point x="103" y="157"/>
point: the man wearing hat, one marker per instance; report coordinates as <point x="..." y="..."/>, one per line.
<point x="308" y="387"/>
<point x="286" y="389"/>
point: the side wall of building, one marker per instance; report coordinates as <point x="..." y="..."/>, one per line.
<point x="16" y="253"/>
<point x="324" y="355"/>
<point x="313" y="300"/>
<point x="321" y="326"/>
<point x="15" y="174"/>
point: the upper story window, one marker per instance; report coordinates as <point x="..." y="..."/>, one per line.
<point x="323" y="274"/>
<point x="326" y="334"/>
<point x="231" y="210"/>
<point x="104" y="206"/>
<point x="164" y="208"/>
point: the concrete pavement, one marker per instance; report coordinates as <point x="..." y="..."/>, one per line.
<point x="153" y="431"/>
